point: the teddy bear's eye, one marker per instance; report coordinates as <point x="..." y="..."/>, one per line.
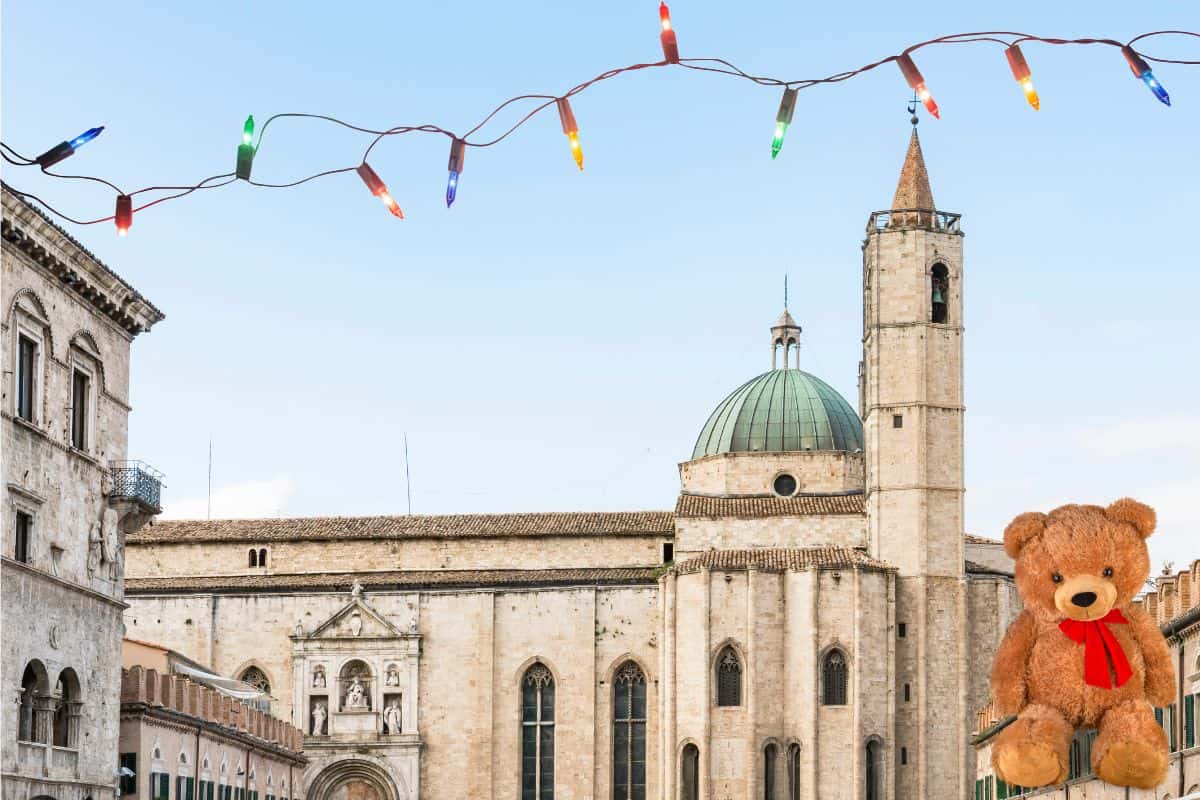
<point x="1056" y="578"/>
<point x="1108" y="572"/>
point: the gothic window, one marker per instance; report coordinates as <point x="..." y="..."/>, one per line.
<point x="81" y="392"/>
<point x="26" y="729"/>
<point x="833" y="678"/>
<point x="873" y="775"/>
<point x="258" y="679"/>
<point x="66" y="709"/>
<point x="939" y="292"/>
<point x="629" y="733"/>
<point x="537" y="734"/>
<point x="793" y="771"/>
<point x="770" y="754"/>
<point x="689" y="773"/>
<point x="27" y="361"/>
<point x="253" y="557"/>
<point x="262" y="556"/>
<point x="729" y="678"/>
<point x="24" y="531"/>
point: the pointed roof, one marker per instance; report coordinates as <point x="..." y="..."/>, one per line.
<point x="913" y="190"/>
<point x="785" y="321"/>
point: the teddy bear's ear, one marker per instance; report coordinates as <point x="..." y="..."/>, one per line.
<point x="1023" y="530"/>
<point x="1139" y="515"/>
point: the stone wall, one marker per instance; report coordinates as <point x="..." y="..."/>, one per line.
<point x="816" y="472"/>
<point x="694" y="535"/>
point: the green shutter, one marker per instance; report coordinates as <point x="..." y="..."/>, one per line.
<point x="1189" y="721"/>
<point x="979" y="789"/>
<point x="1001" y="789"/>
<point x="987" y="787"/>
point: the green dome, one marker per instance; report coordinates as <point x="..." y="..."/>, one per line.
<point x="779" y="411"/>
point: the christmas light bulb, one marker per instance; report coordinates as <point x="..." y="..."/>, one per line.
<point x="787" y="107"/>
<point x="917" y="83"/>
<point x="248" y="130"/>
<point x="124" y="215"/>
<point x="379" y="189"/>
<point x="570" y="128"/>
<point x="65" y="149"/>
<point x="245" y="151"/>
<point x="1142" y="70"/>
<point x="669" y="45"/>
<point x="458" y="150"/>
<point x="1020" y="71"/>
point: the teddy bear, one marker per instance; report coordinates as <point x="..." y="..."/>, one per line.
<point x="1080" y="655"/>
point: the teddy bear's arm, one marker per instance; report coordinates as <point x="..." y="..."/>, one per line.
<point x="1008" y="670"/>
<point x="1160" y="671"/>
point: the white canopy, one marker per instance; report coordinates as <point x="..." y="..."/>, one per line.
<point x="228" y="686"/>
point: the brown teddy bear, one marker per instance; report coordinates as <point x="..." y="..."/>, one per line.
<point x="1080" y="654"/>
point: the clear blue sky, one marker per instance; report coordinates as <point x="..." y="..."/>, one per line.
<point x="556" y="340"/>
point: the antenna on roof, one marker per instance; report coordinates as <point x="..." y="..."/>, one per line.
<point x="785" y="307"/>
<point x="210" y="477"/>
<point x="407" y="481"/>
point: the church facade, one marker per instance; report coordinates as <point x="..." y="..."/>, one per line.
<point x="809" y="621"/>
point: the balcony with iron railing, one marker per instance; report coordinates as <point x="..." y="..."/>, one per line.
<point x="943" y="221"/>
<point x="136" y="482"/>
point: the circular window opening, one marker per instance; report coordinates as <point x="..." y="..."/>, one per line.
<point x="785" y="485"/>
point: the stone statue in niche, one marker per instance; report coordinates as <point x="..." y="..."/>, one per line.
<point x="299" y="628"/>
<point x="318" y="719"/>
<point x="356" y="589"/>
<point x="393" y="676"/>
<point x="95" y="548"/>
<point x="319" y="678"/>
<point x="111" y="532"/>
<point x="356" y="696"/>
<point x="355" y="623"/>
<point x="391" y="718"/>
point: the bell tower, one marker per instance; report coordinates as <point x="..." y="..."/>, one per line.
<point x="912" y="408"/>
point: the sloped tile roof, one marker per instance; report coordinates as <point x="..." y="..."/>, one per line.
<point x="394" y="579"/>
<point x="692" y="505"/>
<point x="971" y="538"/>
<point x="448" y="526"/>
<point x="783" y="559"/>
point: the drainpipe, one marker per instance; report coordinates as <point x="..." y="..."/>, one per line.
<point x="1179" y="702"/>
<point x="196" y="764"/>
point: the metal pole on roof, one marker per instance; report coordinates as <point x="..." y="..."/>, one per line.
<point x="210" y="477"/>
<point x="407" y="481"/>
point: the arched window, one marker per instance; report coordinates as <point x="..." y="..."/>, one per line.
<point x="873" y="777"/>
<point x="537" y="734"/>
<point x="833" y="678"/>
<point x="67" y="708"/>
<point x="253" y="557"/>
<point x="31" y="687"/>
<point x="689" y="773"/>
<point x="939" y="293"/>
<point x="770" y="755"/>
<point x="793" y="769"/>
<point x="262" y="557"/>
<point x="629" y="733"/>
<point x="729" y="678"/>
<point x="258" y="679"/>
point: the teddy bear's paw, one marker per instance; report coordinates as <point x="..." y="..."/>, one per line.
<point x="1031" y="764"/>
<point x="1136" y="764"/>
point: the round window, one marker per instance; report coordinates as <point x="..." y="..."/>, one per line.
<point x="785" y="485"/>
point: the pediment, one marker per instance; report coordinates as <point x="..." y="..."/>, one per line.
<point x="356" y="620"/>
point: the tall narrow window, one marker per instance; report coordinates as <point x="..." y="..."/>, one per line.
<point x="80" y="392"/>
<point x="793" y="765"/>
<point x="629" y="733"/>
<point x="537" y="734"/>
<point x="833" y="678"/>
<point x="253" y="557"/>
<point x="769" y="757"/>
<point x="23" y="530"/>
<point x="262" y="557"/>
<point x="160" y="786"/>
<point x="873" y="776"/>
<point x="26" y="376"/>
<point x="29" y="688"/>
<point x="689" y="773"/>
<point x="939" y="292"/>
<point x="128" y="761"/>
<point x="729" y="678"/>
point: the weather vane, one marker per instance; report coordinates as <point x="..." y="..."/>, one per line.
<point x="912" y="109"/>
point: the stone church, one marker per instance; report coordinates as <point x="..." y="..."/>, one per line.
<point x="810" y="621"/>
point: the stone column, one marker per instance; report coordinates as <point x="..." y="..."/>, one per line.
<point x="74" y="717"/>
<point x="43" y="719"/>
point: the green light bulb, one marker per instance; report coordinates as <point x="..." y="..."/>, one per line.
<point x="777" y="142"/>
<point x="248" y="131"/>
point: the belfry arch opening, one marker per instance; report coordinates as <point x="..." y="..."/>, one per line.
<point x="939" y="293"/>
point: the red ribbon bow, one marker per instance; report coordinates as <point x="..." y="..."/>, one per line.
<point x="1099" y="648"/>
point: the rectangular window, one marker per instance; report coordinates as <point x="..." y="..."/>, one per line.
<point x="26" y="376"/>
<point x="668" y="552"/>
<point x="1189" y="720"/>
<point x="979" y="789"/>
<point x="903" y="756"/>
<point x="897" y="420"/>
<point x="24" y="530"/>
<point x="987" y="788"/>
<point x="80" y="393"/>
<point x="160" y="786"/>
<point x="1171" y="731"/>
<point x="901" y="629"/>
<point x="128" y="782"/>
<point x="907" y="692"/>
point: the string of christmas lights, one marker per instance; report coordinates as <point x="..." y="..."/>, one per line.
<point x="247" y="150"/>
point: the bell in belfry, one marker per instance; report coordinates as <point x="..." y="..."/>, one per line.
<point x="938" y="297"/>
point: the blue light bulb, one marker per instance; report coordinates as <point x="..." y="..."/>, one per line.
<point x="451" y="188"/>
<point x="1156" y="87"/>
<point x="85" y="137"/>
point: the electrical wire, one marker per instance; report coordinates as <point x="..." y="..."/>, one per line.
<point x="715" y="65"/>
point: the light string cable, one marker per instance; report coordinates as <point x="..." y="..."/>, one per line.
<point x="1011" y="40"/>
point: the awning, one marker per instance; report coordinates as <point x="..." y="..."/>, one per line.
<point x="228" y="686"/>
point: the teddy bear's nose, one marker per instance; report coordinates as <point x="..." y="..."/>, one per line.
<point x="1083" y="599"/>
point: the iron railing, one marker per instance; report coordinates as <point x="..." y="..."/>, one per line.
<point x="945" y="221"/>
<point x="138" y="481"/>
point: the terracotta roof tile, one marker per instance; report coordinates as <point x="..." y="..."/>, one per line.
<point x="693" y="505"/>
<point x="779" y="560"/>
<point x="971" y="538"/>
<point x="448" y="526"/>
<point x="394" y="579"/>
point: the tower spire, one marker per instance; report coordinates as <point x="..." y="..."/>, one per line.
<point x="785" y="336"/>
<point x="913" y="193"/>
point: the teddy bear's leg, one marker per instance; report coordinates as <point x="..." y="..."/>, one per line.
<point x="1131" y="749"/>
<point x="1032" y="750"/>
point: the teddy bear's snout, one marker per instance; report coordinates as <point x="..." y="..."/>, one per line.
<point x="1085" y="597"/>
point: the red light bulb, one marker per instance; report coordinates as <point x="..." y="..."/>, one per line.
<point x="669" y="45"/>
<point x="124" y="215"/>
<point x="917" y="83"/>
